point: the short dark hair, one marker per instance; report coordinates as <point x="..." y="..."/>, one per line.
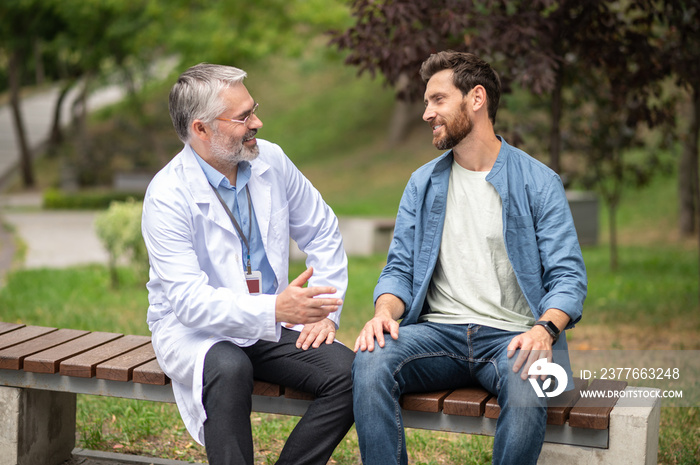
<point x="469" y="72"/>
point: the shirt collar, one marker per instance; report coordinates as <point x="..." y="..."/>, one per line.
<point x="218" y="180"/>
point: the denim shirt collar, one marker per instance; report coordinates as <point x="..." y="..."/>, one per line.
<point x="441" y="171"/>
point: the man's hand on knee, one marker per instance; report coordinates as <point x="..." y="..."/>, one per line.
<point x="375" y="329"/>
<point x="530" y="347"/>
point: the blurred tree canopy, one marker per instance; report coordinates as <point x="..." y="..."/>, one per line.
<point x="78" y="42"/>
<point x="602" y="65"/>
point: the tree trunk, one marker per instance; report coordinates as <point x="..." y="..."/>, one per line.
<point x="405" y="115"/>
<point x="688" y="169"/>
<point x="80" y="114"/>
<point x="56" y="135"/>
<point x="612" y="220"/>
<point x="555" y="130"/>
<point x="15" y="73"/>
<point x="691" y="146"/>
<point x="38" y="63"/>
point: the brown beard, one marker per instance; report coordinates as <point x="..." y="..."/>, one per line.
<point x="455" y="131"/>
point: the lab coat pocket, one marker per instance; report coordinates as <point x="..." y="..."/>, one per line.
<point x="279" y="224"/>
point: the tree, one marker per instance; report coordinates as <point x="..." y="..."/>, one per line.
<point x="541" y="44"/>
<point x="106" y="40"/>
<point x="394" y="37"/>
<point x="20" y="16"/>
<point x="618" y="94"/>
<point x="681" y="42"/>
<point x="682" y="46"/>
<point x="547" y="46"/>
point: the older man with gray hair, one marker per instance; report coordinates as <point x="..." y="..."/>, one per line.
<point x="217" y="221"/>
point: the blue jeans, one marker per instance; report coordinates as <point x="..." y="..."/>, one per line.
<point x="431" y="357"/>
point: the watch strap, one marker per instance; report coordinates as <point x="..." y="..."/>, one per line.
<point x="550" y="327"/>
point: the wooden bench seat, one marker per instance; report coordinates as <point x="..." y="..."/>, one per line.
<point x="111" y="364"/>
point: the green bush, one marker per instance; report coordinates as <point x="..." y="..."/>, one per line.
<point x="119" y="230"/>
<point x="55" y="199"/>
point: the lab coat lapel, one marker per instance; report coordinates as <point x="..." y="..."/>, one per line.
<point x="261" y="197"/>
<point x="202" y="192"/>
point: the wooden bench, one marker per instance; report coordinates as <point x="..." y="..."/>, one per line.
<point x="44" y="368"/>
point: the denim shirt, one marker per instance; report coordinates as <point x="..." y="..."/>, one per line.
<point x="538" y="230"/>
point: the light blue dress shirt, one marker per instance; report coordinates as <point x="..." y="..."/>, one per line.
<point x="237" y="201"/>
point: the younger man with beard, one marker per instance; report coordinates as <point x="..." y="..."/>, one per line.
<point x="217" y="222"/>
<point x="485" y="263"/>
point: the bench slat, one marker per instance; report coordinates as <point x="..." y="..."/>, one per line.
<point x="594" y="413"/>
<point x="121" y="368"/>
<point x="13" y="357"/>
<point x="115" y="357"/>
<point x="291" y="393"/>
<point x="150" y="373"/>
<point x="558" y="414"/>
<point x="469" y="402"/>
<point x="424" y="401"/>
<point x="22" y="334"/>
<point x="48" y="361"/>
<point x="263" y="388"/>
<point x="84" y="364"/>
<point x="492" y="410"/>
<point x="7" y="327"/>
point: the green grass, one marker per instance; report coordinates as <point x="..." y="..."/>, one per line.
<point x="79" y="298"/>
<point x="304" y="112"/>
<point x="653" y="287"/>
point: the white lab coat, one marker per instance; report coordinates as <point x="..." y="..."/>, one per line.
<point x="197" y="292"/>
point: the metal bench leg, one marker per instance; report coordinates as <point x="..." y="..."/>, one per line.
<point x="633" y="439"/>
<point x="36" y="426"/>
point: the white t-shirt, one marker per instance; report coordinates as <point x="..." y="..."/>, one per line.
<point x="473" y="280"/>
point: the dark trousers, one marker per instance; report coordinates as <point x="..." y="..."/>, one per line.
<point x="228" y="386"/>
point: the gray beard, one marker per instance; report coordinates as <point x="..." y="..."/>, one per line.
<point x="229" y="156"/>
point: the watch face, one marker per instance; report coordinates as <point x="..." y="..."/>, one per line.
<point x="553" y="327"/>
<point x="550" y="327"/>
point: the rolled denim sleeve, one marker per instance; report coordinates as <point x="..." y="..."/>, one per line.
<point x="563" y="270"/>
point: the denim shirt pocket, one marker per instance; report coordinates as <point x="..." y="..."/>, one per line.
<point x="521" y="241"/>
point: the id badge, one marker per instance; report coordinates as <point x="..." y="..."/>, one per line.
<point x="254" y="282"/>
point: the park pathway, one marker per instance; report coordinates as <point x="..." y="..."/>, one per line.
<point x="52" y="239"/>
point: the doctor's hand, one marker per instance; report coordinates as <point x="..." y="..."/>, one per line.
<point x="300" y="305"/>
<point x="315" y="334"/>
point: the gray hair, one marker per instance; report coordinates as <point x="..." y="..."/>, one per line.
<point x="196" y="95"/>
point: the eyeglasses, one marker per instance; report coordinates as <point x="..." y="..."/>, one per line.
<point x="243" y="121"/>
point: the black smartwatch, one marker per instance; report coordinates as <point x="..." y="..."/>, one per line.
<point x="551" y="329"/>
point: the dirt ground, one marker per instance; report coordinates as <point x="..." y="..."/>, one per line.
<point x="629" y="337"/>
